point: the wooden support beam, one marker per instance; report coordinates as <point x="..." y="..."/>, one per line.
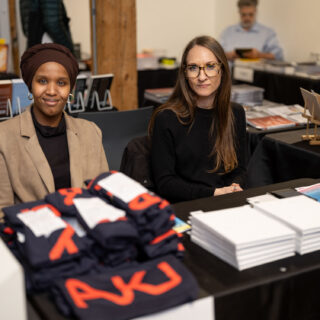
<point x="116" y="49"/>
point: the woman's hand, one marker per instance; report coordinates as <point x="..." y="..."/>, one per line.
<point x="231" y="55"/>
<point x="235" y="187"/>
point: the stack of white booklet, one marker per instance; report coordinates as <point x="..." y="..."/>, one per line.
<point x="247" y="94"/>
<point x="242" y="236"/>
<point x="300" y="213"/>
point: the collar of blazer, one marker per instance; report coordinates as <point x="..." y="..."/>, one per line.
<point x="33" y="147"/>
<point x="27" y="127"/>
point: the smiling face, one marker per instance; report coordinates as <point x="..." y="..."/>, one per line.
<point x="50" y="89"/>
<point x="203" y="86"/>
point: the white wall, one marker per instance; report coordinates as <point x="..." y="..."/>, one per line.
<point x="171" y="24"/>
<point x="297" y="24"/>
<point x="5" y="29"/>
<point x="22" y="40"/>
<point x="163" y="25"/>
<point x="79" y="13"/>
<point x="295" y="21"/>
<point x="167" y="25"/>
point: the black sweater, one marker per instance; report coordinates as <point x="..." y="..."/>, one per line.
<point x="180" y="159"/>
<point x="54" y="144"/>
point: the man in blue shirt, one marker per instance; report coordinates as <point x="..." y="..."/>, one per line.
<point x="250" y="34"/>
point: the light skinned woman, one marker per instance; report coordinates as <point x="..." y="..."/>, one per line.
<point x="44" y="149"/>
<point x="198" y="136"/>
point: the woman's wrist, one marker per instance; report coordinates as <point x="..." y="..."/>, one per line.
<point x="234" y="187"/>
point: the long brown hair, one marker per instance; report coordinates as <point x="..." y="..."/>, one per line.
<point x="183" y="103"/>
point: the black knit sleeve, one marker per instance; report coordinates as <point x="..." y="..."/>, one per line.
<point x="163" y="162"/>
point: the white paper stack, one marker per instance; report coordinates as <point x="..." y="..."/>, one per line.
<point x="279" y="66"/>
<point x="247" y="94"/>
<point x="261" y="198"/>
<point x="242" y="236"/>
<point x="300" y="213"/>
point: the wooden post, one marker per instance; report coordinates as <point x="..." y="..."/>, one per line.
<point x="116" y="49"/>
<point x="14" y="37"/>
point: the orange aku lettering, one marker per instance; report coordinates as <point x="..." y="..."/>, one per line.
<point x="143" y="201"/>
<point x="65" y="241"/>
<point x="80" y="292"/>
<point x="69" y="194"/>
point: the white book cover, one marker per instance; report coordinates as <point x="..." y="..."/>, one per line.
<point x="244" y="265"/>
<point x="244" y="253"/>
<point x="262" y="253"/>
<point x="298" y="118"/>
<point x="243" y="226"/>
<point x="261" y="198"/>
<point x="308" y="249"/>
<point x="285" y="110"/>
<point x="300" y="213"/>
<point x="122" y="186"/>
<point x="206" y="233"/>
<point x="301" y="241"/>
<point x="275" y="257"/>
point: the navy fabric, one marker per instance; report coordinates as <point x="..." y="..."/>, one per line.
<point x="34" y="252"/>
<point x="145" y="218"/>
<point x="40" y="279"/>
<point x="62" y="199"/>
<point x="116" y="258"/>
<point x="170" y="244"/>
<point x="123" y="294"/>
<point x="38" y="251"/>
<point x="152" y="220"/>
<point x="116" y="240"/>
<point x="69" y="242"/>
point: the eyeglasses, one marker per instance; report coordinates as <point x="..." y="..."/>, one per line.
<point x="210" y="69"/>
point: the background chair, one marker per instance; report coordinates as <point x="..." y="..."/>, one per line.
<point x="118" y="128"/>
<point x="136" y="161"/>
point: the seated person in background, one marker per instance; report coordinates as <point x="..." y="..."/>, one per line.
<point x="199" y="139"/>
<point x="44" y="149"/>
<point x="250" y="34"/>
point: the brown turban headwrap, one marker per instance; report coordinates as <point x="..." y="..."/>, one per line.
<point x="39" y="54"/>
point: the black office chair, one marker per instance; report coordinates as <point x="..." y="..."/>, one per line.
<point x="136" y="163"/>
<point x="118" y="128"/>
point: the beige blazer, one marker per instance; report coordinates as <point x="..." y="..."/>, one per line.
<point x="25" y="174"/>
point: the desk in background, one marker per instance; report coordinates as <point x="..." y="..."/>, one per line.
<point x="8" y="76"/>
<point x="157" y="96"/>
<point x="254" y="137"/>
<point x="283" y="88"/>
<point x="281" y="157"/>
<point x="155" y="78"/>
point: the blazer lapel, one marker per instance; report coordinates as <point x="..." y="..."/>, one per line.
<point x="40" y="161"/>
<point x="34" y="150"/>
<point x="75" y="154"/>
